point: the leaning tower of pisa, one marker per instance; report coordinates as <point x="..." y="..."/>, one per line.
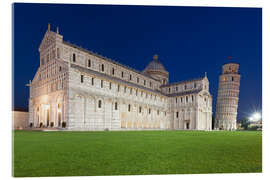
<point x="228" y="96"/>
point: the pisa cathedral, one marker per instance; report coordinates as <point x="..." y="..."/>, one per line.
<point x="76" y="89"/>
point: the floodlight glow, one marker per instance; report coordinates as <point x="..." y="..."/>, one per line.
<point x="257" y="116"/>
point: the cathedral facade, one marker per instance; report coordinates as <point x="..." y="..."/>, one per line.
<point x="76" y="89"/>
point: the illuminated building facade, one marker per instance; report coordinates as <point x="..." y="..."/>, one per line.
<point x="228" y="96"/>
<point x="81" y="90"/>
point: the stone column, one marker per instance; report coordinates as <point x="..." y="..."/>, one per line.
<point x="84" y="111"/>
<point x="197" y="118"/>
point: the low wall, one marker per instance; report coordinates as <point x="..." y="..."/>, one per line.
<point x="20" y="119"/>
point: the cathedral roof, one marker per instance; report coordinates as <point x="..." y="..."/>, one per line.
<point x="106" y="58"/>
<point x="155" y="65"/>
<point x="181" y="82"/>
<point x="196" y="91"/>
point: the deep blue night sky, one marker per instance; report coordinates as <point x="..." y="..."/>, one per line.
<point x="188" y="40"/>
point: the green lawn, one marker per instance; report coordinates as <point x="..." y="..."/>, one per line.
<point x="135" y="152"/>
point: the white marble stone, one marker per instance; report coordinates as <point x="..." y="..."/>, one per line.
<point x="89" y="92"/>
<point x="228" y="96"/>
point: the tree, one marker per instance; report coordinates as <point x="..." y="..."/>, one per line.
<point x="244" y="123"/>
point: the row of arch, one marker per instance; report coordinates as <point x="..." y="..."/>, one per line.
<point x="100" y="113"/>
<point x="85" y="79"/>
<point x="48" y="113"/>
<point x="50" y="55"/>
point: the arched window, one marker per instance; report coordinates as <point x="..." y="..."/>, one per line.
<point x="149" y="111"/>
<point x="89" y="63"/>
<point x="110" y="85"/>
<point x="130" y="77"/>
<point x="138" y="80"/>
<point x="53" y="54"/>
<point x="177" y="114"/>
<point x="187" y="99"/>
<point x="129" y="107"/>
<point x="74" y="57"/>
<point x="118" y="88"/>
<point x="115" y="106"/>
<point x="232" y="79"/>
<point x="122" y="74"/>
<point x="144" y="82"/>
<point x="102" y="67"/>
<point x="140" y="109"/>
<point x="112" y="71"/>
<point x="58" y="52"/>
<point x="42" y="61"/>
<point x="99" y="104"/>
<point x="92" y="81"/>
<point x="81" y="78"/>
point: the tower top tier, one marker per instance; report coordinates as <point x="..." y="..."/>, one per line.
<point x="230" y="68"/>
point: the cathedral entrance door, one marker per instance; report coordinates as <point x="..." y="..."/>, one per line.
<point x="187" y="125"/>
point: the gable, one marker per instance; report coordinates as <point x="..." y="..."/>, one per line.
<point x="36" y="77"/>
<point x="48" y="39"/>
<point x="44" y="69"/>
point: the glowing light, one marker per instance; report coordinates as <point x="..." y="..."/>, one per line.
<point x="46" y="106"/>
<point x="255" y="117"/>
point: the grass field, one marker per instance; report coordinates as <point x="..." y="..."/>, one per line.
<point x="135" y="152"/>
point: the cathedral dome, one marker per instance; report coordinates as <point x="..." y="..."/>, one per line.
<point x="155" y="65"/>
<point x="157" y="71"/>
